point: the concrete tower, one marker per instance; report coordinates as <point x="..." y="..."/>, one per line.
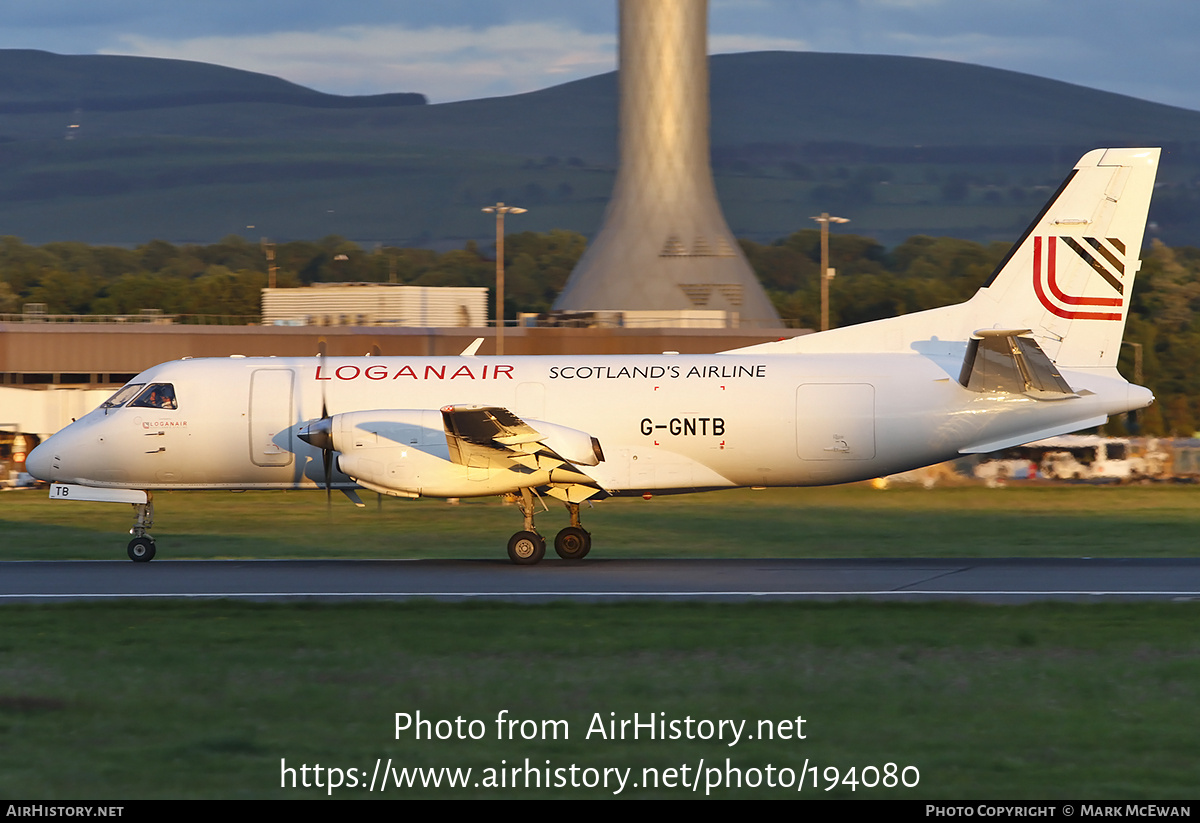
<point x="664" y="244"/>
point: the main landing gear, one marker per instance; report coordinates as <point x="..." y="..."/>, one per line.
<point x="141" y="547"/>
<point x="527" y="547"/>
<point x="573" y="543"/>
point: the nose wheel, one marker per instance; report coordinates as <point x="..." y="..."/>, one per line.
<point x="141" y="547"/>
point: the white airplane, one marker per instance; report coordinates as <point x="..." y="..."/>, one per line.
<point x="1031" y="355"/>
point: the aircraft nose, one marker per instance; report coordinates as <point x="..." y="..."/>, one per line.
<point x="40" y="462"/>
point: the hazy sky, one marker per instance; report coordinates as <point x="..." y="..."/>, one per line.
<point x="461" y="49"/>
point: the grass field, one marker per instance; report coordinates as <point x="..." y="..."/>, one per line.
<point x="850" y="521"/>
<point x="179" y="700"/>
<point x="206" y="700"/>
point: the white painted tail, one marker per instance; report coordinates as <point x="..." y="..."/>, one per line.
<point x="1068" y="279"/>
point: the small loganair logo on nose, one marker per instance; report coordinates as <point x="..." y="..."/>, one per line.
<point x="164" y="424"/>
<point x="1106" y="256"/>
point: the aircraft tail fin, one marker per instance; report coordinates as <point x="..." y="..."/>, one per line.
<point x="1067" y="281"/>
<point x="1070" y="277"/>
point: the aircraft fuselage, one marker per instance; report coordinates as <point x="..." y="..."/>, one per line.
<point x="665" y="423"/>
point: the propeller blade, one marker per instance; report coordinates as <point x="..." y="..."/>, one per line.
<point x="327" y="462"/>
<point x="320" y="433"/>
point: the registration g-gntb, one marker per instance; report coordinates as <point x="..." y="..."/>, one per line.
<point x="1031" y="355"/>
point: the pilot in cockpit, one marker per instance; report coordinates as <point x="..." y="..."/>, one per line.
<point x="157" y="396"/>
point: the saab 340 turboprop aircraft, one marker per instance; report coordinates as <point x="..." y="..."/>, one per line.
<point x="1031" y="355"/>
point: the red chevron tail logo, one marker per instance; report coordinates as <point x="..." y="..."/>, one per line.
<point x="1106" y="257"/>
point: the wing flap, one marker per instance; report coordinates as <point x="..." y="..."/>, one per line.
<point x="495" y="431"/>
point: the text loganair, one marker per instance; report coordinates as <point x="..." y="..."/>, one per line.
<point x="442" y="372"/>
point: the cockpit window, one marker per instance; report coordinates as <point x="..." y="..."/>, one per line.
<point x="122" y="396"/>
<point x="156" y="396"/>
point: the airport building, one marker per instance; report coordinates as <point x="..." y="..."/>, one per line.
<point x="375" y="304"/>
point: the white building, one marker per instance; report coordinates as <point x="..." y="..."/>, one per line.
<point x="375" y="304"/>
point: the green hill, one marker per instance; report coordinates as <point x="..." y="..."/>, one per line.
<point x="123" y="149"/>
<point x="906" y="102"/>
<point x="38" y="81"/>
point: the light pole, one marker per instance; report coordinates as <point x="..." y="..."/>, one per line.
<point x="269" y="250"/>
<point x="826" y="273"/>
<point x="500" y="210"/>
<point x="1137" y="360"/>
<point x="1132" y="416"/>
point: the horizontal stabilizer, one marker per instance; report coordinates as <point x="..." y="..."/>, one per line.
<point x="1011" y="361"/>
<point x="1030" y="437"/>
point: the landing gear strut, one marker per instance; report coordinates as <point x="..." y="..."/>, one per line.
<point x="528" y="547"/>
<point x="141" y="547"/>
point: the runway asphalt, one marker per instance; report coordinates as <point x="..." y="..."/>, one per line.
<point x="992" y="580"/>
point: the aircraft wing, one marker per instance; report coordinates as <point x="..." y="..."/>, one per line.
<point x="475" y="434"/>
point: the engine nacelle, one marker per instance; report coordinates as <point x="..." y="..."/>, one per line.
<point x="404" y="452"/>
<point x="383" y="428"/>
<point x="579" y="447"/>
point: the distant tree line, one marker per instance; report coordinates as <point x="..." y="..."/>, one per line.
<point x="872" y="282"/>
<point x="226" y="278"/>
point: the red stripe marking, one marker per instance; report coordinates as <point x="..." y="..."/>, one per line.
<point x="1058" y="294"/>
<point x="1052" y="269"/>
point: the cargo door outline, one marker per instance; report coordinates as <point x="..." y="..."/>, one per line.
<point x="835" y="421"/>
<point x="270" y="417"/>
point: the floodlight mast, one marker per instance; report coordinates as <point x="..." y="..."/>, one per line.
<point x="269" y="250"/>
<point x="826" y="273"/>
<point x="500" y="210"/>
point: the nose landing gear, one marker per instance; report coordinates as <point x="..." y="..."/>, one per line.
<point x="141" y="547"/>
